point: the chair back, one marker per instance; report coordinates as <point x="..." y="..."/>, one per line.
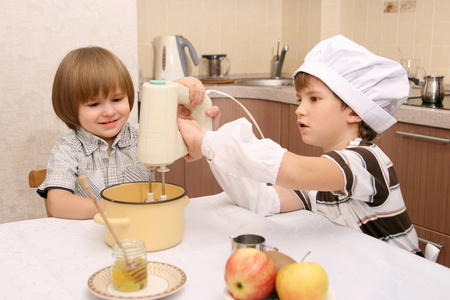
<point x="35" y="179"/>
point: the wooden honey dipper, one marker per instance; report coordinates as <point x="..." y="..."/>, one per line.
<point x="137" y="274"/>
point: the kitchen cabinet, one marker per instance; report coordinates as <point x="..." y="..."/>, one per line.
<point x="423" y="168"/>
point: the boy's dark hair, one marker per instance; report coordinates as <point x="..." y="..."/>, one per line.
<point x="302" y="80"/>
<point x="84" y="74"/>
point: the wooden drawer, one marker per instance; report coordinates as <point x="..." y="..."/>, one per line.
<point x="423" y="169"/>
<point x="438" y="238"/>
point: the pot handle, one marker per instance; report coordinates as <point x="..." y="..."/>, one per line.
<point x="124" y="221"/>
<point x="415" y="80"/>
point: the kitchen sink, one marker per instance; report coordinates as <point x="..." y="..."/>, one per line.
<point x="265" y="82"/>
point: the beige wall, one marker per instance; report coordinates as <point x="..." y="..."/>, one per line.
<point x="35" y="37"/>
<point x="422" y="33"/>
<point x="248" y="30"/>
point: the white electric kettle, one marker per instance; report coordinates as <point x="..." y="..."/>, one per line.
<point x="170" y="57"/>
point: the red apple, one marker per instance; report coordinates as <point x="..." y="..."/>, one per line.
<point x="250" y="274"/>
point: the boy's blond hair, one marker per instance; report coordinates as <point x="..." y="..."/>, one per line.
<point x="84" y="74"/>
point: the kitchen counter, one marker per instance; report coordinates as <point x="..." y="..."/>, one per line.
<point x="408" y="114"/>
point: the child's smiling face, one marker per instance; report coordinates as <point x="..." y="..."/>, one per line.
<point x="322" y="118"/>
<point x="105" y="116"/>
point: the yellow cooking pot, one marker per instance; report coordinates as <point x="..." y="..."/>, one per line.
<point x="160" y="224"/>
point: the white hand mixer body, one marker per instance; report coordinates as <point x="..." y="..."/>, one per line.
<point x="159" y="141"/>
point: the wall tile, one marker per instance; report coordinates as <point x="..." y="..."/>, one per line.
<point x="442" y="11"/>
<point x="441" y="33"/>
<point x="422" y="34"/>
<point x="439" y="60"/>
<point x="406" y="33"/>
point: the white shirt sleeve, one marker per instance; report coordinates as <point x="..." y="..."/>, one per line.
<point x="243" y="165"/>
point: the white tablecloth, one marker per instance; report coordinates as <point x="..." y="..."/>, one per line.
<point x="53" y="258"/>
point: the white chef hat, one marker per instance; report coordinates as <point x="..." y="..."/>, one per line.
<point x="373" y="86"/>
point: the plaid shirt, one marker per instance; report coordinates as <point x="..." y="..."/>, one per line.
<point x="81" y="152"/>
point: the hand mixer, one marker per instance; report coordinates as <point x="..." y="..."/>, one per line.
<point x="159" y="141"/>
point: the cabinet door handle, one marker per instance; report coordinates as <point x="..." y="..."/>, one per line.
<point x="438" y="245"/>
<point x="425" y="137"/>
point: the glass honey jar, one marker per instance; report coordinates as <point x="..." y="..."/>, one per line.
<point x="129" y="272"/>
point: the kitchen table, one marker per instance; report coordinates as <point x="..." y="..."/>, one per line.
<point x="53" y="258"/>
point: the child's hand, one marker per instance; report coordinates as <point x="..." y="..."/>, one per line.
<point x="213" y="112"/>
<point x="196" y="89"/>
<point x="193" y="136"/>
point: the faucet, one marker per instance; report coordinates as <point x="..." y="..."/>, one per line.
<point x="278" y="61"/>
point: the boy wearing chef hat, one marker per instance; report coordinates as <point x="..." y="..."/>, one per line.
<point x="347" y="95"/>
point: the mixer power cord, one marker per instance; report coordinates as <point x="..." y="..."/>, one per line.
<point x="241" y="105"/>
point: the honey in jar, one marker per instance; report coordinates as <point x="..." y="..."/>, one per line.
<point x="129" y="274"/>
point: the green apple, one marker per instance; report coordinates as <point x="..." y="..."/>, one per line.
<point x="250" y="274"/>
<point x="302" y="281"/>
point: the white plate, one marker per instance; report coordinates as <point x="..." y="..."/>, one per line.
<point x="163" y="280"/>
<point x="331" y="294"/>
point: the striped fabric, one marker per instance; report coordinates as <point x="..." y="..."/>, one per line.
<point x="371" y="200"/>
<point x="80" y="152"/>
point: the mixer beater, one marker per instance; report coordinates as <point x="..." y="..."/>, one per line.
<point x="159" y="141"/>
<point x="151" y="195"/>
